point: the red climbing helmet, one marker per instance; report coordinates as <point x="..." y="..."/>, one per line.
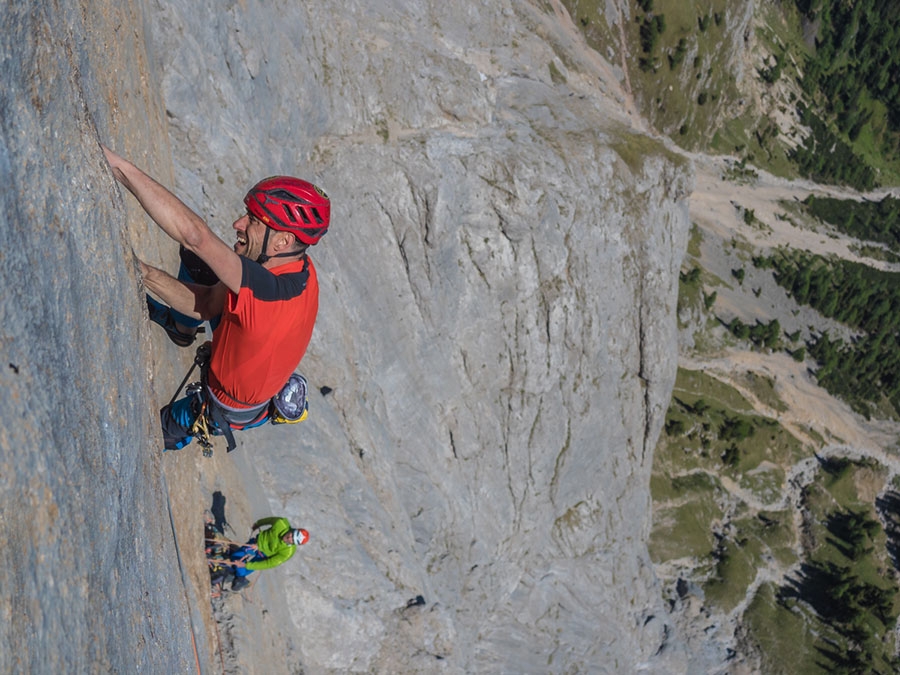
<point x="291" y="205"/>
<point x="301" y="536"/>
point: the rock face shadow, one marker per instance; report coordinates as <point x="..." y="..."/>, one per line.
<point x="218" y="511"/>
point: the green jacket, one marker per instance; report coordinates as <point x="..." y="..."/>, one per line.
<point x="270" y="544"/>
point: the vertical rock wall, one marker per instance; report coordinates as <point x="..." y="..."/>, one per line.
<point x="497" y="323"/>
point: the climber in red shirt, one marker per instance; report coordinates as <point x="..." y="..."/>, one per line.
<point x="260" y="296"/>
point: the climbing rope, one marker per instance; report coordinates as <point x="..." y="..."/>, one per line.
<point x="184" y="579"/>
<point x="201" y="358"/>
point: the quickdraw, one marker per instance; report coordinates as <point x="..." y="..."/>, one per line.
<point x="200" y="428"/>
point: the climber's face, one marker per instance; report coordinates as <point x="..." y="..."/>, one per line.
<point x="250" y="235"/>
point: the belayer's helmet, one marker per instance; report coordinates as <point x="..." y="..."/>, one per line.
<point x="291" y="205"/>
<point x="301" y="536"/>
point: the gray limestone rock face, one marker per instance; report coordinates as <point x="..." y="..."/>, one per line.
<point x="497" y="322"/>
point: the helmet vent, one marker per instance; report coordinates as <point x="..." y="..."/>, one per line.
<point x="316" y="215"/>
<point x="287" y="196"/>
<point x="289" y="213"/>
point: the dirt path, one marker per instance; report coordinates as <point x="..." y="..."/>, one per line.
<point x="716" y="205"/>
<point x="810" y="408"/>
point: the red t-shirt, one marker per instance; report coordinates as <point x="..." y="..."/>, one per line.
<point x="263" y="332"/>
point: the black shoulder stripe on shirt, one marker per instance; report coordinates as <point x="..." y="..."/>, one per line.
<point x="270" y="287"/>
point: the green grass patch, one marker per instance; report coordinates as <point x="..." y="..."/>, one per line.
<point x="590" y="17"/>
<point x="687" y="506"/>
<point x="818" y="439"/>
<point x="712" y="427"/>
<point x="685" y="88"/>
<point x="847" y="587"/>
<point x="556" y="75"/>
<point x="774" y="533"/>
<point x="673" y="49"/>
<point x="765" y="482"/>
<point x="781" y="637"/>
<point x="839" y="607"/>
<point x="711" y="430"/>
<point x="734" y="136"/>
<point x="695" y="384"/>
<point x="690" y="290"/>
<point x="769" y="443"/>
<point x="634" y="149"/>
<point x="694" y="241"/>
<point x="764" y="390"/>
<point x="735" y="570"/>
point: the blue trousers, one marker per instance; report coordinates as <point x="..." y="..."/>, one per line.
<point x="178" y="419"/>
<point x="246" y="550"/>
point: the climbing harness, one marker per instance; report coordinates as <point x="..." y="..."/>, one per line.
<point x="209" y="418"/>
<point x="289" y="406"/>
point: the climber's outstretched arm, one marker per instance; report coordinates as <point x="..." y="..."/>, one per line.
<point x="178" y="221"/>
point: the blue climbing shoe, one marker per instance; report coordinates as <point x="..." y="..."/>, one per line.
<point x="161" y="314"/>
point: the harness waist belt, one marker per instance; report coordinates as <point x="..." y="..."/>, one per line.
<point x="237" y="416"/>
